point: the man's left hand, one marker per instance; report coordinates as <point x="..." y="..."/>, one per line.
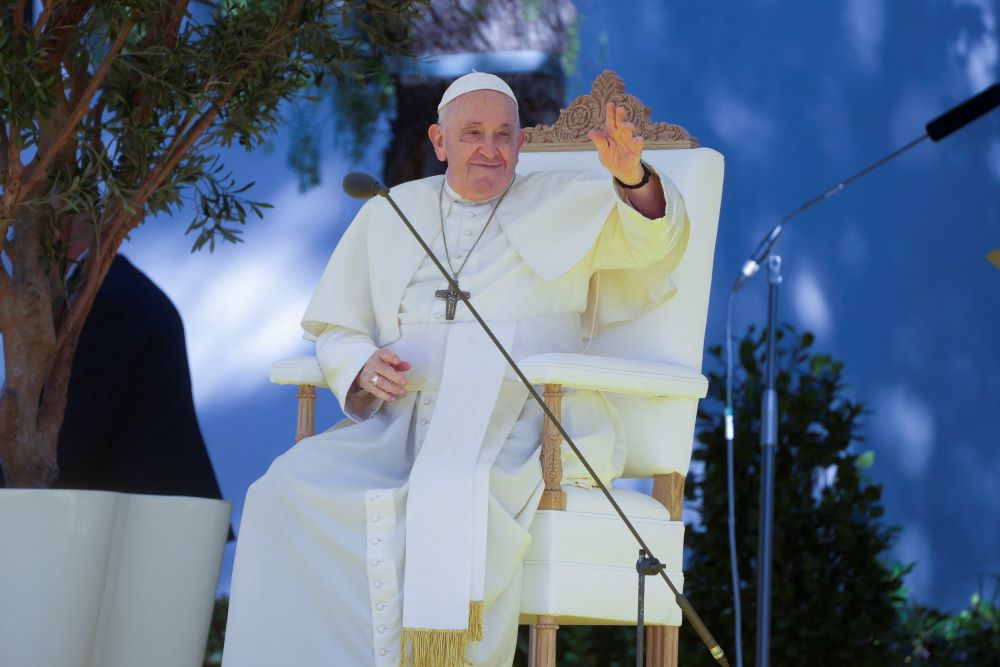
<point x="617" y="146"/>
<point x="620" y="152"/>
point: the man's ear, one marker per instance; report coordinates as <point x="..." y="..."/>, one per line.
<point x="436" y="134"/>
<point x="521" y="137"/>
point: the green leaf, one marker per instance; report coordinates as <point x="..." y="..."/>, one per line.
<point x="865" y="460"/>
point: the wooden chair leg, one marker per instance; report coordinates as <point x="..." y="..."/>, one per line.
<point x="542" y="642"/>
<point x="662" y="641"/>
<point x="306" y="425"/>
<point x="553" y="497"/>
<point x="661" y="646"/>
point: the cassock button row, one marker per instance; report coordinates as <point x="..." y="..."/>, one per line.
<point x="468" y="232"/>
<point x="424" y="422"/>
<point x="376" y="540"/>
<point x="438" y="316"/>
<point x="382" y="651"/>
<point x="377" y="584"/>
<point x="427" y="401"/>
<point x="457" y="256"/>
<point x="375" y="562"/>
<point x="375" y="518"/>
<point x="381" y="628"/>
<point x="380" y="607"/>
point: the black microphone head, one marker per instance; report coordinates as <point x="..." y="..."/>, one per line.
<point x="966" y="112"/>
<point x="360" y="185"/>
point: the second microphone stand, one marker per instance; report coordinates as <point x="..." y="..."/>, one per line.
<point x="768" y="445"/>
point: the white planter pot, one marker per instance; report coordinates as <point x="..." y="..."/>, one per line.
<point x="100" y="579"/>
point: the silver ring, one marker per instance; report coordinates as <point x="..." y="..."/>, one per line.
<point x="374" y="380"/>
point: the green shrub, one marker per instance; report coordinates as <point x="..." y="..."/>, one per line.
<point x="970" y="637"/>
<point x="834" y="599"/>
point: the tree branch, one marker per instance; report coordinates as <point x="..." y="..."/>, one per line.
<point x="12" y="181"/>
<point x="78" y="75"/>
<point x="13" y="160"/>
<point x="40" y="165"/>
<point x="123" y="220"/>
<point x="19" y="17"/>
<point x="167" y="24"/>
<point x="43" y="17"/>
<point x="6" y="282"/>
<point x="57" y="377"/>
<point x="181" y="144"/>
<point x="4" y="143"/>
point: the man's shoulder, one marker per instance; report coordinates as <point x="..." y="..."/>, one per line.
<point x="406" y="195"/>
<point x="416" y="187"/>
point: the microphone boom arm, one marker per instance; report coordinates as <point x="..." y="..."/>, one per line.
<point x="752" y="265"/>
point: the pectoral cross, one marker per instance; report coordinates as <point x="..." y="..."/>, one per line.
<point x="452" y="297"/>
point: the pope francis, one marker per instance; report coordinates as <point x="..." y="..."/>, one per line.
<point x="396" y="537"/>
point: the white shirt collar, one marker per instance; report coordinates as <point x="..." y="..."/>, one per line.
<point x="459" y="199"/>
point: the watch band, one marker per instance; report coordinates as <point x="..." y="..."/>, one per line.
<point x="646" y="173"/>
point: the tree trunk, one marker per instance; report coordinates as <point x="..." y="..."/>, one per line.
<point x="40" y="335"/>
<point x="449" y="27"/>
<point x="27" y="447"/>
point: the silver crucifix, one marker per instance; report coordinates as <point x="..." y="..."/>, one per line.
<point x="452" y="297"/>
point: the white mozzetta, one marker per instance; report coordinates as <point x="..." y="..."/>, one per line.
<point x="610" y="374"/>
<point x="100" y="579"/>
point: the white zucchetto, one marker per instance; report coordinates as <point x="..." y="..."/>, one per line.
<point x="476" y="81"/>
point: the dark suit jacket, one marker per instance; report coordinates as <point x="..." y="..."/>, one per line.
<point x="130" y="423"/>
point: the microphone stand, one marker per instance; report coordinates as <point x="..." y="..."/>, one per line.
<point x="375" y="188"/>
<point x="936" y="130"/>
<point x="768" y="444"/>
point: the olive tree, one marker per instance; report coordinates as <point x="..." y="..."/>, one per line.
<point x="115" y="110"/>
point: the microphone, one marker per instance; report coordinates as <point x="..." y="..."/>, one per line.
<point x="752" y="265"/>
<point x="966" y="112"/>
<point x="950" y="121"/>
<point x="360" y="185"/>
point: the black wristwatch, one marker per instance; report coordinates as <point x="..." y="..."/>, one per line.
<point x="646" y="173"/>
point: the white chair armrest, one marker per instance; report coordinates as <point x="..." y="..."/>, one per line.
<point x="610" y="374"/>
<point x="297" y="370"/>
<point x="583" y="371"/>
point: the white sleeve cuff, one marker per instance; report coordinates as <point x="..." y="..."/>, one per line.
<point x="342" y="353"/>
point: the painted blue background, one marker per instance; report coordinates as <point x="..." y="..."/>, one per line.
<point x="891" y="275"/>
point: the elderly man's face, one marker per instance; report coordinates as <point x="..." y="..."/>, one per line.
<point x="479" y="137"/>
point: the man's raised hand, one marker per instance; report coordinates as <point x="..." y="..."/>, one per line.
<point x="617" y="146"/>
<point x="385" y="368"/>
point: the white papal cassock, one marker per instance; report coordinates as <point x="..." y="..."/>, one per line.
<point x="323" y="556"/>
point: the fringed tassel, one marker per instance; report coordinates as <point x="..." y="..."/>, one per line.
<point x="433" y="648"/>
<point x="476" y="620"/>
<point x="420" y="647"/>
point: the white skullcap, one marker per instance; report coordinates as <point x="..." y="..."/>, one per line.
<point x="476" y="81"/>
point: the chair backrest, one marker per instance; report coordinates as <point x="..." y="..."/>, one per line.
<point x="660" y="436"/>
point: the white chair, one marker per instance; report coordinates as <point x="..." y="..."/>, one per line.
<point x="580" y="568"/>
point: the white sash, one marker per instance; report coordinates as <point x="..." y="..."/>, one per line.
<point x="448" y="498"/>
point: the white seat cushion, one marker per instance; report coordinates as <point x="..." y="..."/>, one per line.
<point x="580" y="566"/>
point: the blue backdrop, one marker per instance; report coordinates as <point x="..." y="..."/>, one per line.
<point x="891" y="274"/>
